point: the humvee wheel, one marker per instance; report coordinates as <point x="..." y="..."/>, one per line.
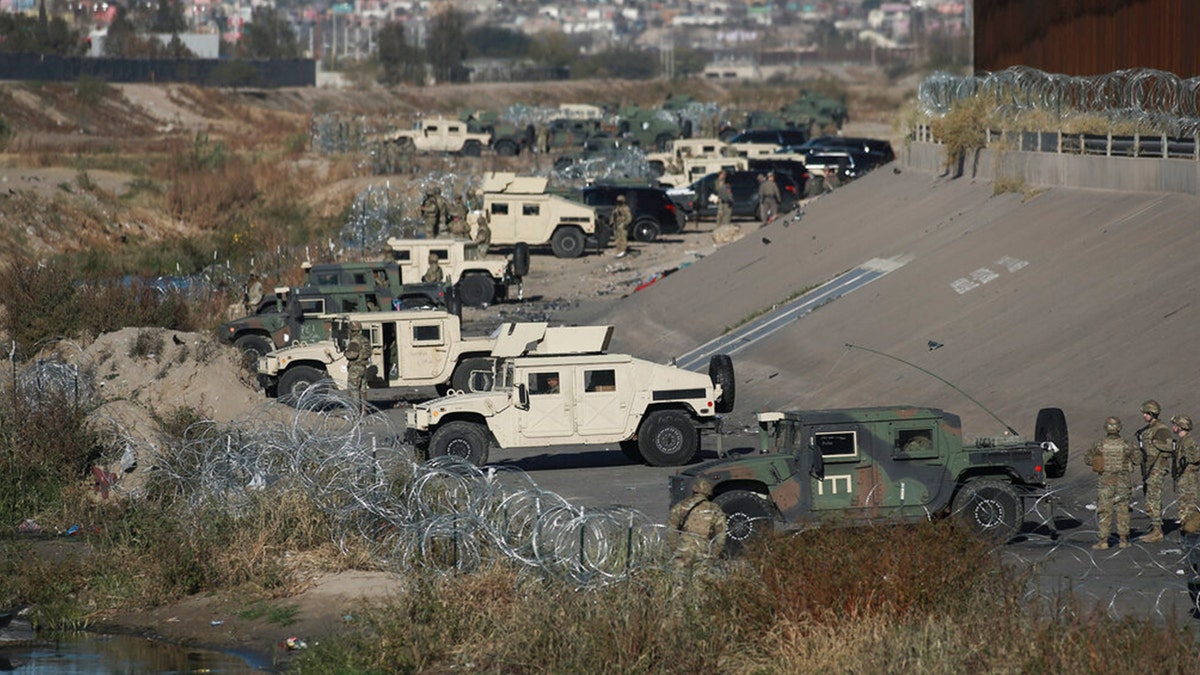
<point x="567" y="242"/>
<point x="472" y="149"/>
<point x="645" y="230"/>
<point x="667" y="438"/>
<point x="460" y="439"/>
<point x="296" y="380"/>
<point x="259" y="344"/>
<point x="631" y="451"/>
<point x="406" y="145"/>
<point x="720" y="371"/>
<point x="989" y="508"/>
<point x="506" y="148"/>
<point x="749" y="516"/>
<point x="476" y="290"/>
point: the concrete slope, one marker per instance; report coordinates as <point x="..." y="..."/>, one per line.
<point x="1084" y="300"/>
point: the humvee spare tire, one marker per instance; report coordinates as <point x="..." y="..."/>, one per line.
<point x="749" y="516"/>
<point x="520" y="259"/>
<point x="989" y="508"/>
<point x="1051" y="426"/>
<point x="462" y="379"/>
<point x="259" y="344"/>
<point x="720" y="371"/>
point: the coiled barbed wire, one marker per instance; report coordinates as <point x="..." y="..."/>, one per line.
<point x="1144" y="96"/>
<point x="441" y="515"/>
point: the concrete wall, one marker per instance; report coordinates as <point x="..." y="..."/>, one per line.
<point x="1125" y="174"/>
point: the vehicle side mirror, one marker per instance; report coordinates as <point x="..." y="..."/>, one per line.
<point x="816" y="465"/>
<point x="522" y="397"/>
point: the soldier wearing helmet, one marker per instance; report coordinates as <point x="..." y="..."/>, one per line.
<point x="621" y="219"/>
<point x="358" y="358"/>
<point x="1187" y="469"/>
<point x="1157" y="449"/>
<point x="443" y="206"/>
<point x="701" y="525"/>
<point x="433" y="274"/>
<point x="1113" y="458"/>
<point x="430" y="213"/>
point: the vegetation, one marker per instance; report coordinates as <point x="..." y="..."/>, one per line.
<point x="921" y="598"/>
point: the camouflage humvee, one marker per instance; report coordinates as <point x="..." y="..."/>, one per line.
<point x="866" y="464"/>
<point x="330" y="288"/>
<point x="559" y="386"/>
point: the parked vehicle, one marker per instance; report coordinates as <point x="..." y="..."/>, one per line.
<point x="520" y="210"/>
<point x="893" y="463"/>
<point x="769" y="140"/>
<point x="794" y="168"/>
<point x="699" y="198"/>
<point x="653" y="211"/>
<point x="881" y="150"/>
<point x="847" y="165"/>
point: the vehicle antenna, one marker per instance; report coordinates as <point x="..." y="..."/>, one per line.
<point x="940" y="379"/>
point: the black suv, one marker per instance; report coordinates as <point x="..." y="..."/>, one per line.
<point x="780" y="137"/>
<point x="877" y="151"/>
<point x="695" y="198"/>
<point x="653" y="211"/>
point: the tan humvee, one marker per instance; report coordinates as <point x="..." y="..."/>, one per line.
<point x="580" y="111"/>
<point x="558" y="386"/>
<point x="519" y="210"/>
<point x="438" y="134"/>
<point x="419" y="348"/>
<point x="478" y="279"/>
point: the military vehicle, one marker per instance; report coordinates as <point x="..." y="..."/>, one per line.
<point x="329" y="288"/>
<point x="408" y="349"/>
<point x="521" y="211"/>
<point x="477" y="280"/>
<point x="508" y="138"/>
<point x="686" y="160"/>
<point x="897" y="463"/>
<point x="559" y="386"/>
<point x="566" y="134"/>
<point x="438" y="134"/>
<point x="648" y="129"/>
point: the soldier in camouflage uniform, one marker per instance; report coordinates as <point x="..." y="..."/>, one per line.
<point x="768" y="198"/>
<point x="433" y="273"/>
<point x="701" y="525"/>
<point x="1157" y="446"/>
<point x="458" y="217"/>
<point x="621" y="218"/>
<point x="1114" y="459"/>
<point x="483" y="235"/>
<point x="358" y="357"/>
<point x="443" y="206"/>
<point x="1187" y="468"/>
<point x="724" y="196"/>
<point x="429" y="213"/>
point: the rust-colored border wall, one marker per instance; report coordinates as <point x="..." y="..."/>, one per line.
<point x="1088" y="37"/>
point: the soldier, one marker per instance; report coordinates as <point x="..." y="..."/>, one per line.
<point x="433" y="275"/>
<point x="621" y="219"/>
<point x="358" y="357"/>
<point x="768" y="198"/>
<point x="458" y="217"/>
<point x="474" y="199"/>
<point x="1154" y="441"/>
<point x="1187" y="468"/>
<point x="483" y="235"/>
<point x="1113" y="458"/>
<point x="429" y="213"/>
<point x="443" y="206"/>
<point x="701" y="524"/>
<point x="724" y="196"/>
<point x="253" y="295"/>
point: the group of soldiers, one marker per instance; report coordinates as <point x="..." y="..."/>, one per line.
<point x="1160" y="451"/>
<point x="444" y="217"/>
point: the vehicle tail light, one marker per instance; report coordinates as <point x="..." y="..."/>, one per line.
<point x="671" y="208"/>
